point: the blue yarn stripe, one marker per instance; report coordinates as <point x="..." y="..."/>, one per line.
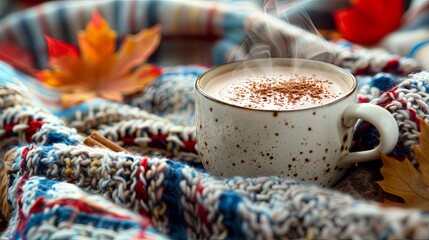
<point x="43" y="167"/>
<point x="67" y="213"/>
<point x="116" y="15"/>
<point x="56" y="137"/>
<point x="43" y="187"/>
<point x="416" y="47"/>
<point x="61" y="13"/>
<point x="30" y="39"/>
<point x="152" y="19"/>
<point x="232" y="220"/>
<point x="171" y="196"/>
<point x="384" y="81"/>
<point x="151" y="13"/>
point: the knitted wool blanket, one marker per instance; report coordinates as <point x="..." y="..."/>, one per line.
<point x="54" y="186"/>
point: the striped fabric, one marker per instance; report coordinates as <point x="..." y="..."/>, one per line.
<point x="188" y="27"/>
<point x="9" y="6"/>
<point x="93" y="216"/>
<point x="184" y="24"/>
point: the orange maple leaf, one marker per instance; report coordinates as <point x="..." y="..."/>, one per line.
<point x="95" y="68"/>
<point x="402" y="179"/>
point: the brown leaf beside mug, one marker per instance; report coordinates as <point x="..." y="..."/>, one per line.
<point x="402" y="179"/>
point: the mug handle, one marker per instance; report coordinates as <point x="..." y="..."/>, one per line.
<point x="383" y="121"/>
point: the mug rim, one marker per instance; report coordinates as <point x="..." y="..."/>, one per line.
<point x="200" y="89"/>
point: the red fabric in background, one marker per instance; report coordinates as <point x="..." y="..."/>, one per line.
<point x="368" y="21"/>
<point x="29" y="3"/>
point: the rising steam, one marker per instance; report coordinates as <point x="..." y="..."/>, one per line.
<point x="283" y="30"/>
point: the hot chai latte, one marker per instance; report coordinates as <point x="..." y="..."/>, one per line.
<point x="280" y="88"/>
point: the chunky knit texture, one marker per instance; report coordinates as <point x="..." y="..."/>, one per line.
<point x="179" y="198"/>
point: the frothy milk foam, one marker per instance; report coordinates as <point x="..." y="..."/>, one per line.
<point x="279" y="88"/>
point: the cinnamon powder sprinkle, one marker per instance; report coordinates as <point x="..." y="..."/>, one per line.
<point x="280" y="93"/>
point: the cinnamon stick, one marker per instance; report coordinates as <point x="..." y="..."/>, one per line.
<point x="97" y="140"/>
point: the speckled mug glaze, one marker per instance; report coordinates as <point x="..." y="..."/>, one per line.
<point x="310" y="144"/>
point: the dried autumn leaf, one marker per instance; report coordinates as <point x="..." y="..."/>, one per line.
<point x="422" y="153"/>
<point x="402" y="179"/>
<point x="94" y="68"/>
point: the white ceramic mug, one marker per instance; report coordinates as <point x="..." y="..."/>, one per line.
<point x="309" y="144"/>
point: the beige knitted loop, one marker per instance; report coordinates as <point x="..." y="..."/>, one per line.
<point x="4" y="183"/>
